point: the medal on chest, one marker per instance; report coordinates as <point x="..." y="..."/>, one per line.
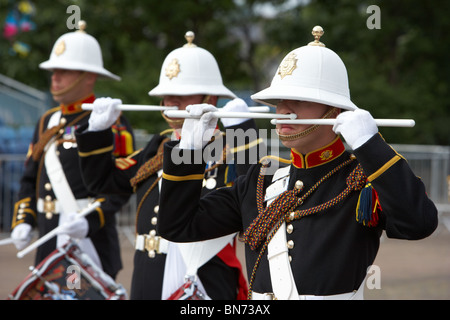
<point x="68" y="138"/>
<point x="210" y="181"/>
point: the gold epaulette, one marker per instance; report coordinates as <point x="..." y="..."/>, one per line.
<point x="150" y="167"/>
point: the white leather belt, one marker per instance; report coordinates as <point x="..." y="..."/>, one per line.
<point x="53" y="206"/>
<point x="354" y="295"/>
<point x="151" y="243"/>
<point x="343" y="296"/>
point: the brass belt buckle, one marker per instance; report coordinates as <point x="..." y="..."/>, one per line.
<point x="152" y="244"/>
<point x="49" y="207"/>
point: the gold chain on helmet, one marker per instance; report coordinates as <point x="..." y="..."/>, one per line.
<point x="301" y="134"/>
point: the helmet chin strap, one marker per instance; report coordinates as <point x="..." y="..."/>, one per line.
<point x="304" y="133"/>
<point x="70" y="87"/>
<point x="178" y="122"/>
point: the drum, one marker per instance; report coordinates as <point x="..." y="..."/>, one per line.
<point x="188" y="291"/>
<point x="68" y="274"/>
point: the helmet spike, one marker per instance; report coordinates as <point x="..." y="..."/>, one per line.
<point x="317" y="32"/>
<point x="189" y="36"/>
<point x="82" y="26"/>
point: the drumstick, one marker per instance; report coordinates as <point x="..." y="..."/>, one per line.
<point x="331" y="122"/>
<point x="225" y="114"/>
<point x="258" y="109"/>
<point x="141" y="107"/>
<point x="6" y="241"/>
<point x="55" y="231"/>
<point x="132" y="107"/>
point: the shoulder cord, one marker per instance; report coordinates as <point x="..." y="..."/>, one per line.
<point x="150" y="166"/>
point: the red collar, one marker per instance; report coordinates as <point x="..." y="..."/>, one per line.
<point x="76" y="106"/>
<point x="319" y="156"/>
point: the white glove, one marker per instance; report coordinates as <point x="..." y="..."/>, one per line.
<point x="196" y="133"/>
<point x="21" y="235"/>
<point x="78" y="228"/>
<point x="104" y="114"/>
<point x="356" y="127"/>
<point x="235" y="105"/>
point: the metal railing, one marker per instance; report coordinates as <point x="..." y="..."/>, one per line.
<point x="11" y="170"/>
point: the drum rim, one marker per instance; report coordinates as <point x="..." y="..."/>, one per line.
<point x="58" y="253"/>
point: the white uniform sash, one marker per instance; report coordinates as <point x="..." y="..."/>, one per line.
<point x="283" y="284"/>
<point x="68" y="204"/>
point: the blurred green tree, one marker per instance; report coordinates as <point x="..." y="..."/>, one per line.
<point x="398" y="71"/>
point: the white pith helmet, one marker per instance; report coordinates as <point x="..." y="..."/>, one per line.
<point x="190" y="70"/>
<point x="310" y="73"/>
<point x="77" y="51"/>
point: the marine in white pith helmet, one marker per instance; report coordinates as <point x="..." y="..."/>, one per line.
<point x="189" y="76"/>
<point x="52" y="185"/>
<point x="311" y="228"/>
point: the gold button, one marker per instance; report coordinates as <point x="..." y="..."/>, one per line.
<point x="156" y="209"/>
<point x="23" y="205"/>
<point x="290" y="244"/>
<point x="290" y="258"/>
<point x="298" y="184"/>
<point x="290" y="228"/>
<point x="154" y="221"/>
<point x="292" y="216"/>
<point x="61" y="131"/>
<point x="48" y="186"/>
<point x="48" y="198"/>
<point x="152" y="233"/>
<point x="20" y="216"/>
<point x="20" y="211"/>
<point x="63" y="121"/>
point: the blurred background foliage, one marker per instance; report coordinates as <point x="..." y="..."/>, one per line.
<point x="399" y="71"/>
